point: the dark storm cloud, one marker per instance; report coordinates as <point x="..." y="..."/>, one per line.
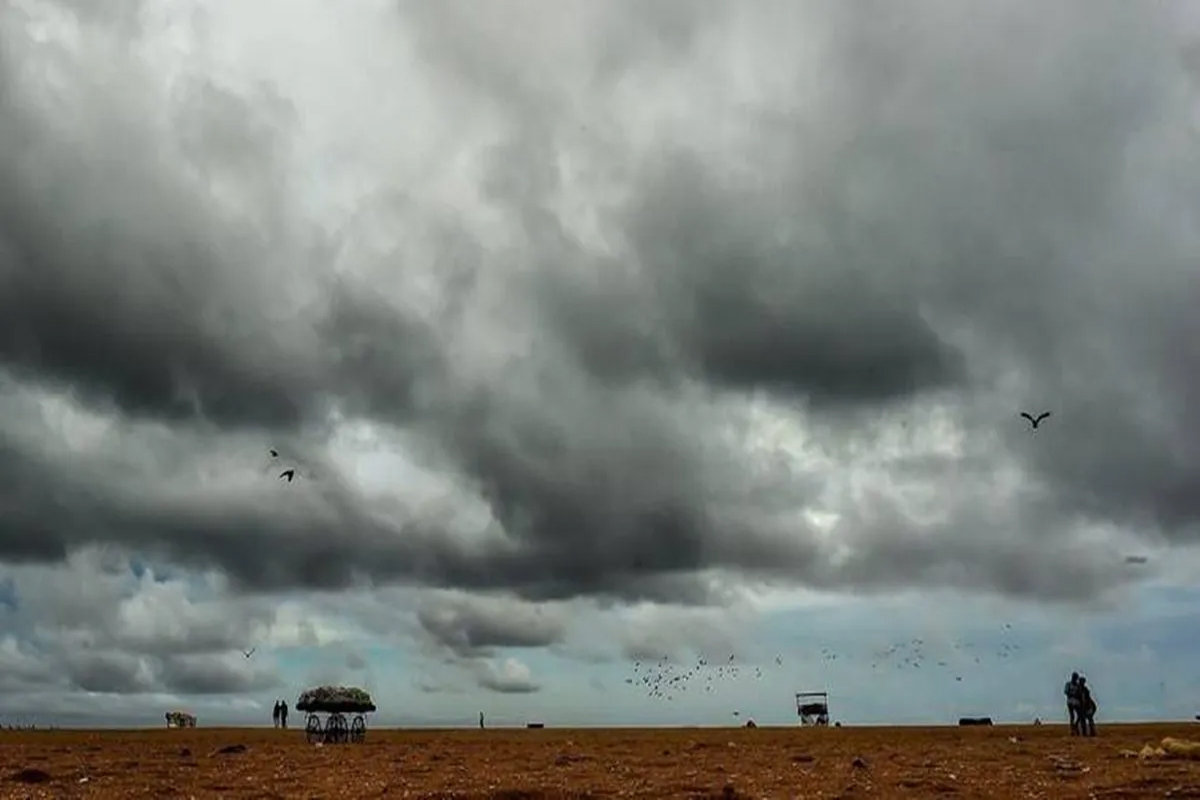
<point x="471" y="626"/>
<point x="746" y="313"/>
<point x="896" y="236"/>
<point x="208" y="674"/>
<point x="110" y="672"/>
<point x="119" y="280"/>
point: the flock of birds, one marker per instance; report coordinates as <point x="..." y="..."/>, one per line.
<point x="666" y="679"/>
<point x="663" y="679"/>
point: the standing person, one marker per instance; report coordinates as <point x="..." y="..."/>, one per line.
<point x="283" y="712"/>
<point x="275" y="714"/>
<point x="480" y="720"/>
<point x="1087" y="709"/>
<point x="1071" y="690"/>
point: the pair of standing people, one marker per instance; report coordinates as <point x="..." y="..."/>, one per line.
<point x="1081" y="706"/>
<point x="280" y="714"/>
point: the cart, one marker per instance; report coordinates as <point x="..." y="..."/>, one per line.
<point x="180" y="719"/>
<point x="813" y="708"/>
<point x="336" y="703"/>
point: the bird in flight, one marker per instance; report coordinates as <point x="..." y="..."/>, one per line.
<point x="274" y="453"/>
<point x="1136" y="559"/>
<point x="248" y="653"/>
<point x="1035" y="420"/>
<point x="289" y="474"/>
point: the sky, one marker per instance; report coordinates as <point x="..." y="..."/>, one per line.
<point x="598" y="334"/>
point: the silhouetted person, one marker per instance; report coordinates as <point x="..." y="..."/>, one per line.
<point x="1087" y="709"/>
<point x="283" y="713"/>
<point x="1071" y="690"/>
<point x="276" y="714"/>
<point x="480" y="720"/>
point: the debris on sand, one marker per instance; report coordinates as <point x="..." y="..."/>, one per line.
<point x="858" y="763"/>
<point x="728" y="792"/>
<point x="1172" y="748"/>
<point x="30" y="776"/>
<point x="1064" y="764"/>
<point x="229" y="749"/>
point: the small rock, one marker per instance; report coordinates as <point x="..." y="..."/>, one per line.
<point x="803" y="758"/>
<point x="184" y="753"/>
<point x="858" y="763"/>
<point x="229" y="749"/>
<point x="30" y="776"/>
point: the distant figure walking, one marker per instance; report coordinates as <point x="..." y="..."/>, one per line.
<point x="1087" y="709"/>
<point x="283" y="713"/>
<point x="480" y="720"/>
<point x="1071" y="690"/>
<point x="275" y="714"/>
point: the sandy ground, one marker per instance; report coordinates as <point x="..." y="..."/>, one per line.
<point x="730" y="763"/>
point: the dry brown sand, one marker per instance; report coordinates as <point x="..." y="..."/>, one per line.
<point x="1004" y="761"/>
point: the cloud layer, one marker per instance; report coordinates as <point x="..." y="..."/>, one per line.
<point x="568" y="304"/>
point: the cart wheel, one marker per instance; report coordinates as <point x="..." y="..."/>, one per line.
<point x="312" y="729"/>
<point x="358" y="729"/>
<point x="336" y="730"/>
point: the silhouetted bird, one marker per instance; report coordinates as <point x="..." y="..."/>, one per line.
<point x="289" y="474"/>
<point x="248" y="653"/>
<point x="274" y="453"/>
<point x="1035" y="420"/>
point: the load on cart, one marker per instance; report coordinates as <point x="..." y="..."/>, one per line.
<point x="335" y="702"/>
<point x="180" y="719"/>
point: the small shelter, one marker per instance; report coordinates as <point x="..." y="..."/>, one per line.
<point x="813" y="708"/>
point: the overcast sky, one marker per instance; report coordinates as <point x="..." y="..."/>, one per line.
<point x="597" y="332"/>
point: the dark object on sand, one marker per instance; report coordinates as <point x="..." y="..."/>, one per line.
<point x="750" y="724"/>
<point x="535" y="725"/>
<point x="30" y="775"/>
<point x="229" y="749"/>
<point x="975" y="721"/>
